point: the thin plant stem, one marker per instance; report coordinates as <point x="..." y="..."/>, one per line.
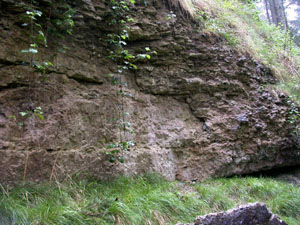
<point x="25" y="167"/>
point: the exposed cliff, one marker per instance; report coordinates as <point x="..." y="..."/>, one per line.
<point x="198" y="108"/>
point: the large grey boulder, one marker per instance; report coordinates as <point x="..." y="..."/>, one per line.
<point x="250" y="214"/>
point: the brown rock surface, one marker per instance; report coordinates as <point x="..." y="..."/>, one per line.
<point x="199" y="109"/>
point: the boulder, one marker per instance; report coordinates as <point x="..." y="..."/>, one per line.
<point x="250" y="214"/>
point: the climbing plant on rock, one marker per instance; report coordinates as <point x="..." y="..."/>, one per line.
<point x="60" y="26"/>
<point x="37" y="38"/>
<point x="32" y="19"/>
<point x="125" y="61"/>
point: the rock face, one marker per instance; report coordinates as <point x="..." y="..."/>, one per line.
<point x="198" y="108"/>
<point x="251" y="214"/>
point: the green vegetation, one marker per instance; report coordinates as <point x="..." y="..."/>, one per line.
<point x="240" y="25"/>
<point x="37" y="37"/>
<point x="242" y="28"/>
<point x="120" y="19"/>
<point x="39" y="32"/>
<point x="142" y="200"/>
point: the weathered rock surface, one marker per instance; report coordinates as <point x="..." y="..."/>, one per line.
<point x="198" y="108"/>
<point x="250" y="214"/>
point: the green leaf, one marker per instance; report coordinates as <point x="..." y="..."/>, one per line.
<point x="112" y="159"/>
<point x="37" y="12"/>
<point x="115" y="151"/>
<point x="42" y="37"/>
<point x="38" y="108"/>
<point x="48" y="64"/>
<point x="127" y="124"/>
<point x="40" y="116"/>
<point x="121" y="159"/>
<point x="147" y="49"/>
<point x="39" y="25"/>
<point x="141" y="56"/>
<point x="29" y="13"/>
<point x="23" y="114"/>
<point x="133" y="66"/>
<point x="130" y="143"/>
<point x="61" y="50"/>
<point x="110" y="146"/>
<point x="148" y="57"/>
<point x="12" y="117"/>
<point x="122" y="42"/>
<point x="115" y="81"/>
<point x="30" y="50"/>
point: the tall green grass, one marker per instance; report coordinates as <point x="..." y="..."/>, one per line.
<point x="141" y="200"/>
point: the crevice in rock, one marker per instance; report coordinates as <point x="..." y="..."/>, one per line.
<point x="13" y="86"/>
<point x="4" y="62"/>
<point x="50" y="150"/>
<point x="82" y="80"/>
<point x="275" y="172"/>
<point x="290" y="174"/>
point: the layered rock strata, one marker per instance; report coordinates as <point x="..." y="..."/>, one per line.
<point x="198" y="108"/>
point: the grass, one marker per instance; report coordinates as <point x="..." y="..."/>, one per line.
<point x="241" y="26"/>
<point x="147" y="200"/>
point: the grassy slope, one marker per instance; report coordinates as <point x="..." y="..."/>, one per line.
<point x="243" y="29"/>
<point x="143" y="200"/>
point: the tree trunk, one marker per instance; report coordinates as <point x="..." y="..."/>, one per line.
<point x="273" y="11"/>
<point x="267" y="11"/>
<point x="277" y="13"/>
<point x="284" y="16"/>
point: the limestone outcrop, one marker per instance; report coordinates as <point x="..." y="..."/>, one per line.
<point x="198" y="108"/>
